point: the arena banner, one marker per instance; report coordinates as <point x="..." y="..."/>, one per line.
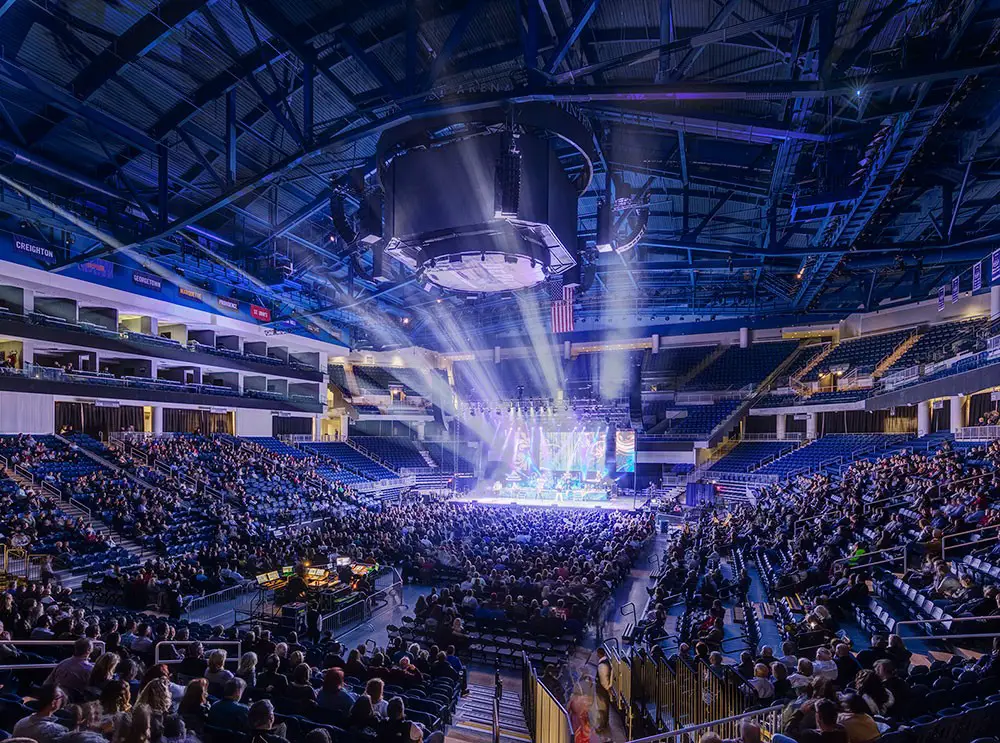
<point x="625" y="450"/>
<point x="98" y="267"/>
<point x="977" y="276"/>
<point x="229" y="304"/>
<point x="941" y="299"/>
<point x="995" y="266"/>
<point x="260" y="313"/>
<point x="34" y="248"/>
<point x="147" y="281"/>
<point x="189" y="293"/>
<point x="955" y="290"/>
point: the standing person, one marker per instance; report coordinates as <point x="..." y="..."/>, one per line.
<point x="580" y="704"/>
<point x="603" y="692"/>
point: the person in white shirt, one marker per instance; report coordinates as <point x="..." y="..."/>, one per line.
<point x="761" y="682"/>
<point x="824" y="666"/>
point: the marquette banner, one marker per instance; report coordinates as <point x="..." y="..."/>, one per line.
<point x="995" y="266"/>
<point x="98" y="267"/>
<point x="955" y="287"/>
<point x="147" y="281"/>
<point x="229" y="304"/>
<point x="625" y="451"/>
<point x="260" y="313"/>
<point x="191" y="293"/>
<point x="977" y="276"/>
<point x="941" y="298"/>
<point x="34" y="248"/>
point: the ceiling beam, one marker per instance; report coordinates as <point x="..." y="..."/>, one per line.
<point x="572" y="34"/>
<point x="454" y="39"/>
<point x="692" y="42"/>
<point x="136" y="41"/>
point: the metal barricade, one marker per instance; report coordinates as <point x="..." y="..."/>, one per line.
<point x="231" y="593"/>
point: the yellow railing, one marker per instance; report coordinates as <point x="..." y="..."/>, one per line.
<point x="547" y="720"/>
<point x="675" y="695"/>
<point x="19" y="563"/>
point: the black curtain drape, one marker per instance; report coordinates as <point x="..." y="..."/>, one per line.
<point x="865" y="421"/>
<point x="285" y="425"/>
<point x="79" y="417"/>
<point x="196" y="421"/>
<point x="979" y="405"/>
<point x="761" y="424"/>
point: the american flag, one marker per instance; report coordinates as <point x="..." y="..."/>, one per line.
<point x="562" y="308"/>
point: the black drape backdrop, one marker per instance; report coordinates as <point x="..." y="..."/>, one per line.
<point x="284" y="425"/>
<point x="97" y="421"/>
<point x="864" y="421"/>
<point x="191" y="421"/>
<point x="979" y="405"/>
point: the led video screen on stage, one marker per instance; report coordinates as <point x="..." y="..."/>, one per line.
<point x="625" y="451"/>
<point x="530" y="447"/>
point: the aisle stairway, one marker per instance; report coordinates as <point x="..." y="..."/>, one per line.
<point x="73" y="577"/>
<point x="474" y="717"/>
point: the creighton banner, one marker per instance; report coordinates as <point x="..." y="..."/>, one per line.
<point x="34" y="248"/>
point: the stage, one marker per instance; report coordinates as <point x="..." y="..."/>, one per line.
<point x="618" y="504"/>
<point x="586" y="495"/>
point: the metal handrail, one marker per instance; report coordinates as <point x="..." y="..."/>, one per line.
<point x="35" y="643"/>
<point x="210" y="645"/>
<point x="948" y="620"/>
<point x="944" y="538"/>
<point x="687" y="733"/>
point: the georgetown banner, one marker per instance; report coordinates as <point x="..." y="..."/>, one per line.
<point x="147" y="281"/>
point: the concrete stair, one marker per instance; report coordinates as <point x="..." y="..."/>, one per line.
<point x="473" y="720"/>
<point x="70" y="578"/>
<point x="896" y="355"/>
<point x="817" y="359"/>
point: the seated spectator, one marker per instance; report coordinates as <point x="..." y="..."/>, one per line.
<point x="42" y="726"/>
<point x="397" y="728"/>
<point x="114" y="703"/>
<point x="247" y="669"/>
<point x="300" y="690"/>
<point x="216" y="674"/>
<point x="898" y="690"/>
<point x="261" y="719"/>
<point x="856" y="719"/>
<point x="333" y="696"/>
<point x="847" y="665"/>
<point x="228" y="713"/>
<point x="362" y="723"/>
<point x="73" y="674"/>
<point x="897" y="652"/>
<point x="194" y="706"/>
<point x="761" y="682"/>
<point x="271" y="681"/>
<point x="375" y="689"/>
<point x="194" y="664"/>
<point x="824" y="666"/>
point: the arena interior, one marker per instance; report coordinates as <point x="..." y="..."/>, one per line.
<point x="496" y="371"/>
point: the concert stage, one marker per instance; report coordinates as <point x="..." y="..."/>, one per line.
<point x="619" y="504"/>
<point x="585" y="495"/>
